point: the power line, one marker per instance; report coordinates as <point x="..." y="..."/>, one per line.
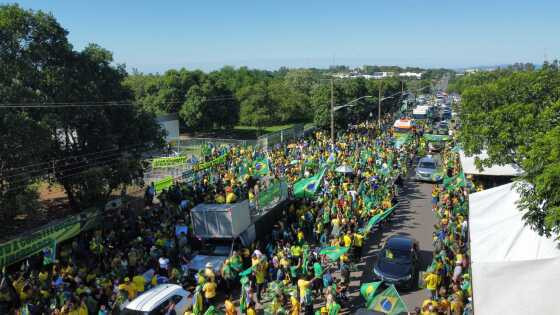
<point x="103" y="104"/>
<point x="58" y="178"/>
<point x="76" y="156"/>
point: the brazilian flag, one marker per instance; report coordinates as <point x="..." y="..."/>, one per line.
<point x="306" y="187"/>
<point x="451" y="183"/>
<point x="332" y="159"/>
<point x="389" y="302"/>
<point x="367" y="290"/>
<point x="49" y="253"/>
<point x="333" y="252"/>
<point x="261" y="166"/>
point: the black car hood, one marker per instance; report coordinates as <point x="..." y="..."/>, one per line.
<point x="393" y="270"/>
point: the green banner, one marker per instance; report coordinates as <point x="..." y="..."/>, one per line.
<point x="163" y="184"/>
<point x="272" y="195"/>
<point x="217" y="161"/>
<point x="169" y="161"/>
<point x="436" y="138"/>
<point x="402" y="139"/>
<point x="29" y="244"/>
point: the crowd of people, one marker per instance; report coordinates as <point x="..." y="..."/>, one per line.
<point x="305" y="262"/>
<point x="448" y="278"/>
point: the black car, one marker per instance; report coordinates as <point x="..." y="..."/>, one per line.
<point x="398" y="262"/>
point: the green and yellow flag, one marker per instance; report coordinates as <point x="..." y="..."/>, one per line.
<point x="333" y="252"/>
<point x="261" y="166"/>
<point x="367" y="290"/>
<point x="306" y="187"/>
<point x="451" y="183"/>
<point x="389" y="302"/>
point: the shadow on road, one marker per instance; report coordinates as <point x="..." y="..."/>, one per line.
<point x="405" y="221"/>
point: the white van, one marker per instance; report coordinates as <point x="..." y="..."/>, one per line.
<point x="157" y="299"/>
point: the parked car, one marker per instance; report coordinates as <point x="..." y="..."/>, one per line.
<point x="157" y="300"/>
<point x="398" y="262"/>
<point x="427" y="169"/>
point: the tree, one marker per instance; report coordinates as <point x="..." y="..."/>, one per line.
<point x="39" y="65"/>
<point x="257" y="108"/>
<point x="514" y="116"/>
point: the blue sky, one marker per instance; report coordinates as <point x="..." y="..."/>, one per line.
<point x="154" y="36"/>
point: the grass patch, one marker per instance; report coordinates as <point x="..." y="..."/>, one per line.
<point x="267" y="129"/>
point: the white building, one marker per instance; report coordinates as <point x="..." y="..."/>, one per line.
<point x="415" y="75"/>
<point x="382" y="75"/>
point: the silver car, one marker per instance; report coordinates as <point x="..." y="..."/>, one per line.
<point x="427" y="170"/>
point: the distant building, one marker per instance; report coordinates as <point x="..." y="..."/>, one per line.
<point x="469" y="71"/>
<point x="414" y="75"/>
<point x="382" y="75"/>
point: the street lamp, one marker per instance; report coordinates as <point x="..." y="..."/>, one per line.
<point x="379" y="105"/>
<point x="335" y="108"/>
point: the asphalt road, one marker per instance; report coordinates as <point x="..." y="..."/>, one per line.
<point x="413" y="218"/>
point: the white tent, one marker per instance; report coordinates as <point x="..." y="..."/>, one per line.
<point x="515" y="271"/>
<point x="469" y="167"/>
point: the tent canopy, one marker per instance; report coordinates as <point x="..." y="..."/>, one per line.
<point x="510" y="258"/>
<point x="469" y="166"/>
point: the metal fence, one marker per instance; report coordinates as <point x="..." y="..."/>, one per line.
<point x="193" y="149"/>
<point x="287" y="134"/>
<point x="194" y="146"/>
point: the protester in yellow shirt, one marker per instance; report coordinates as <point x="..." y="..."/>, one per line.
<point x="209" y="289"/>
<point x="251" y="308"/>
<point x="139" y="283"/>
<point x="296" y="306"/>
<point x="347" y="240"/>
<point x="130" y="288"/>
<point x="431" y="280"/>
<point x="229" y="306"/>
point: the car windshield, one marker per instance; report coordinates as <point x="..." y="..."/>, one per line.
<point x="396" y="255"/>
<point x="427" y="164"/>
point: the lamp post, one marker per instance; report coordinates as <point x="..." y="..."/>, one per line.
<point x="335" y="108"/>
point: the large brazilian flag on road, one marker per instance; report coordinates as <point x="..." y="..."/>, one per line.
<point x="307" y="187"/>
<point x="389" y="302"/>
<point x="368" y="292"/>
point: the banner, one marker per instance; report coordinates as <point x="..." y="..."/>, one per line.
<point x="402" y="139"/>
<point x="163" y="184"/>
<point x="205" y="165"/>
<point x="274" y="194"/>
<point x="29" y="244"/>
<point x="169" y="161"/>
<point x="436" y="138"/>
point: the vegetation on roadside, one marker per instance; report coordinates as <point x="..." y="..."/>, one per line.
<point x="514" y="114"/>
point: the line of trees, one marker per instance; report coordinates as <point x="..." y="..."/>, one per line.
<point x="231" y="96"/>
<point x="514" y="114"/>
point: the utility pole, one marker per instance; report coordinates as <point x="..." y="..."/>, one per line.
<point x="379" y="106"/>
<point x="332" y="111"/>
